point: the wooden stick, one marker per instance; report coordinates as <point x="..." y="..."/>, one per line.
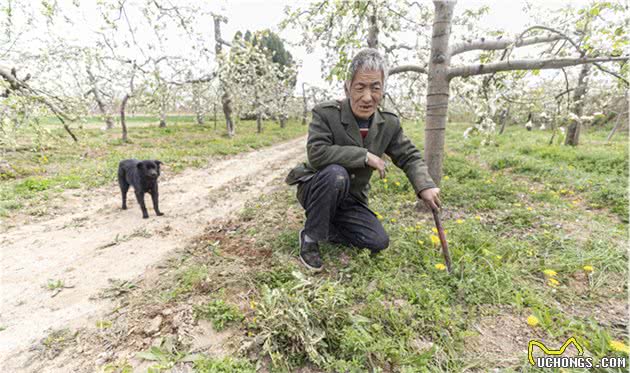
<point x="438" y="225"/>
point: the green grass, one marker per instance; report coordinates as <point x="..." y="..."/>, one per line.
<point x="40" y="171"/>
<point x="511" y="212"/>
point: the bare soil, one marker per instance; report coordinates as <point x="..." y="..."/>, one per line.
<point x="90" y="240"/>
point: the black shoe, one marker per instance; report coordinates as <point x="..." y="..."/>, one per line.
<point x="309" y="254"/>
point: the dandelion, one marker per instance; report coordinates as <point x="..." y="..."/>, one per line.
<point x="393" y="220"/>
<point x="459" y="221"/>
<point x="420" y="242"/>
<point x="478" y="217"/>
<point x="385" y="187"/>
<point x="252" y="305"/>
<point x="553" y="282"/>
<point x="397" y="183"/>
<point x="385" y="180"/>
<point x="446" y="177"/>
<point x="517" y="204"/>
<point x="529" y="209"/>
<point x="440" y="267"/>
<point x="563" y="191"/>
<point x="588" y="268"/>
<point x="379" y="216"/>
<point x="619" y="346"/>
<point x="434" y="230"/>
<point x="550" y="273"/>
<point x="435" y="239"/>
<point x="575" y="201"/>
<point x="532" y="320"/>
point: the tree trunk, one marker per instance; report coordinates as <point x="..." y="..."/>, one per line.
<point x="373" y="28"/>
<point x="226" y="101"/>
<point x="227" y="110"/>
<point x="438" y="89"/>
<point x="503" y="119"/>
<point x="305" y="112"/>
<point x="109" y="123"/>
<point x="214" y="111"/>
<point x="619" y="115"/>
<point x="162" y="115"/>
<point x="259" y="123"/>
<point x="573" y="132"/>
<point x="123" y="124"/>
<point x="283" y="120"/>
<point x="196" y="92"/>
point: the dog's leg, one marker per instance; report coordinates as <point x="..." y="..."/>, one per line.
<point x="155" y="196"/>
<point x="140" y="198"/>
<point x="124" y="188"/>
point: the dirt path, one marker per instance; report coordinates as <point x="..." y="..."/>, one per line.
<point x="94" y="240"/>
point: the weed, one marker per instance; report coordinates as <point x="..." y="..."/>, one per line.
<point x="220" y="313"/>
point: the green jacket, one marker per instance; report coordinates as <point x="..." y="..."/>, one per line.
<point x="334" y="138"/>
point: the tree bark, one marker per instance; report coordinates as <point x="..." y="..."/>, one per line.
<point x="109" y="123"/>
<point x="573" y="132"/>
<point x="226" y="101"/>
<point x="619" y="115"/>
<point x="259" y="123"/>
<point x="197" y="102"/>
<point x="438" y="89"/>
<point x="305" y="112"/>
<point x="123" y="123"/>
<point x="163" y="112"/>
<point x="373" y="28"/>
<point x="555" y="63"/>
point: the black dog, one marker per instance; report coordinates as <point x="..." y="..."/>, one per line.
<point x="142" y="175"/>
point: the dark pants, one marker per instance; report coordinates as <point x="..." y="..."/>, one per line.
<point x="333" y="215"/>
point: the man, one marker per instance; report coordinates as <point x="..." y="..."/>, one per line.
<point x="345" y="143"/>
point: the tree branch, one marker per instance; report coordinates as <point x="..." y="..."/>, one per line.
<point x="484" y="44"/>
<point x="480" y="69"/>
<point x="407" y="68"/>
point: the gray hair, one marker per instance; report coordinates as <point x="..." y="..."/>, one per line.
<point x="368" y="59"/>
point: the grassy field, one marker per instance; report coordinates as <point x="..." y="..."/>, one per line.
<point x="45" y="166"/>
<point x="538" y="236"/>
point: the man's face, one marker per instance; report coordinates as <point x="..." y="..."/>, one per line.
<point x="366" y="92"/>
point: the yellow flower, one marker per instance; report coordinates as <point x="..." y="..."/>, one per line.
<point x="440" y="267"/>
<point x="252" y="304"/>
<point x="553" y="282"/>
<point x="517" y="204"/>
<point x="588" y="268"/>
<point x="446" y="177"/>
<point x="563" y="191"/>
<point x="385" y="180"/>
<point x="397" y="183"/>
<point x="379" y="216"/>
<point x="532" y="320"/>
<point x="393" y="220"/>
<point x="385" y="187"/>
<point x="459" y="221"/>
<point x="619" y="346"/>
<point x="575" y="201"/>
<point x="529" y="209"/>
<point x="478" y="217"/>
<point x="420" y="242"/>
<point x="434" y="230"/>
<point x="499" y="257"/>
<point x="435" y="239"/>
<point x="550" y="273"/>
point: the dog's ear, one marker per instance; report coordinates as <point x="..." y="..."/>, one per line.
<point x="140" y="164"/>
<point x="158" y="162"/>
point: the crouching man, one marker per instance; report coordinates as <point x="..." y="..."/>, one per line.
<point x="345" y="143"/>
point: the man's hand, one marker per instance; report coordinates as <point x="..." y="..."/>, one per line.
<point x="376" y="163"/>
<point x="431" y="198"/>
